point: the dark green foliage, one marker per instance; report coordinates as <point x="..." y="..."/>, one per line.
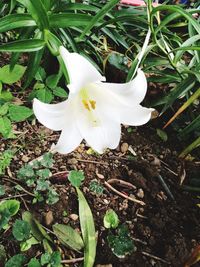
<point x="120" y="243"/>
<point x="36" y="176"/>
<point x="21" y="230"/>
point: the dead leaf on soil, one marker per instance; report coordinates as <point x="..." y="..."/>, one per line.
<point x="194" y="257"/>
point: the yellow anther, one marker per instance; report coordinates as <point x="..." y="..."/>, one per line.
<point x="93" y="104"/>
<point x="86" y="104"/>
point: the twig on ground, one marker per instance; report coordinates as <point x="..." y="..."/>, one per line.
<point x="15" y="196"/>
<point x="72" y="261"/>
<point x="123" y="195"/>
<point x="92" y="161"/>
<point x="169" y="193"/>
<point x="122" y="183"/>
<point x="140" y="241"/>
<point x="23" y="189"/>
<point x="155" y="257"/>
<point x="27" y="208"/>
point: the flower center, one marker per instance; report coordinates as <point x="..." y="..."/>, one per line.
<point x="90" y="105"/>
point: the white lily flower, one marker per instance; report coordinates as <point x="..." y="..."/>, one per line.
<point x="94" y="110"/>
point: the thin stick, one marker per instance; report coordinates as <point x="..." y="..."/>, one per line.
<point x="123" y="195"/>
<point x="15" y="196"/>
<point x="23" y="189"/>
<point x="167" y="190"/>
<point x="121" y="182"/>
<point x="72" y="260"/>
<point x="92" y="161"/>
<point x="139" y="241"/>
<point x="27" y="208"/>
<point x="155" y="257"/>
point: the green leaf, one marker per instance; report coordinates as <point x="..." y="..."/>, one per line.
<point x="47" y="161"/>
<point x="34" y="263"/>
<point x="192" y="127"/>
<point x="10" y="77"/>
<point x="42" y="185"/>
<point x="21" y="230"/>
<point x="179" y="10"/>
<point x="162" y="134"/>
<point x="23" y="46"/>
<point x="16" y="261"/>
<point x="59" y="91"/>
<point x="11" y="205"/>
<point x="32" y="67"/>
<point x="52" y="196"/>
<point x="36" y="228"/>
<point x="87" y="229"/>
<point x="52" y="260"/>
<point x="121" y="244"/>
<point x="64" y="20"/>
<point x="5" y="126"/>
<point x="44" y="173"/>
<point x="45" y="258"/>
<point x="4" y="109"/>
<point x="103" y="11"/>
<point x="76" y="178"/>
<point x="55" y="260"/>
<point x="2" y="190"/>
<point x="44" y="95"/>
<point x="40" y="74"/>
<point x="37" y="11"/>
<point x="14" y="21"/>
<point x="25" y="172"/>
<point x="19" y="113"/>
<point x="111" y="219"/>
<point x="6" y="96"/>
<point x="52" y="81"/>
<point x="27" y="244"/>
<point x="2" y="256"/>
<point x="5" y="160"/>
<point x="96" y="187"/>
<point x="68" y="236"/>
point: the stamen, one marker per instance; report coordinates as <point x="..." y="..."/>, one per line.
<point x="93" y="104"/>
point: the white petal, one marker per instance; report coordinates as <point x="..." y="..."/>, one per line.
<point x="105" y="136"/>
<point x="81" y="71"/>
<point x="53" y="116"/>
<point x="135" y="116"/>
<point x="104" y="133"/>
<point x="131" y="93"/>
<point x="69" y="140"/>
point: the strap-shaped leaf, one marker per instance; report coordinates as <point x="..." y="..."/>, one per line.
<point x="179" y="10"/>
<point x="192" y="98"/>
<point x="33" y="65"/>
<point x="37" y="11"/>
<point x="182" y="88"/>
<point x="12" y="5"/>
<point x="87" y="229"/>
<point x="25" y="33"/>
<point x="63" y="20"/>
<point x="23" y="46"/>
<point x="76" y="6"/>
<point x="14" y="21"/>
<point x="98" y="16"/>
<point x="192" y="127"/>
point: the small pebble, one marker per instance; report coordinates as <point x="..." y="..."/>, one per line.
<point x="25" y="158"/>
<point x="74" y="217"/>
<point x="72" y="161"/>
<point x="140" y="193"/>
<point x="156" y="162"/>
<point x="124" y="147"/>
<point x="49" y="218"/>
